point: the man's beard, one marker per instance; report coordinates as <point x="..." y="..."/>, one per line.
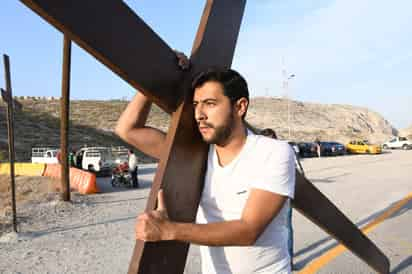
<point x="221" y="133"/>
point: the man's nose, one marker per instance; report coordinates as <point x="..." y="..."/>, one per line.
<point x="199" y="114"/>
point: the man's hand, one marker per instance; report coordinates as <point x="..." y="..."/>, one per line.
<point x="155" y="225"/>
<point x="183" y="61"/>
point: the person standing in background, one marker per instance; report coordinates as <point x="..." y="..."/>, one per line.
<point x="268" y="132"/>
<point x="133" y="169"/>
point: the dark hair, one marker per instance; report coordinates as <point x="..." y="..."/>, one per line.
<point x="234" y="85"/>
<point x="268" y="132"/>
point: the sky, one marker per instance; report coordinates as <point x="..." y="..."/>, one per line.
<point x="356" y="52"/>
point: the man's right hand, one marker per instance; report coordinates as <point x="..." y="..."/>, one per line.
<point x="183" y="61"/>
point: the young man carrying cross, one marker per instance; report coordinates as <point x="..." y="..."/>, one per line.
<point x="241" y="225"/>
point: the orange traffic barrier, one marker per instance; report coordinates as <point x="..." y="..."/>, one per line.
<point x="52" y="170"/>
<point x="82" y="181"/>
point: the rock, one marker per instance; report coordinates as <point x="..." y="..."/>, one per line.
<point x="406" y="132"/>
<point x="11" y="237"/>
<point x="331" y="122"/>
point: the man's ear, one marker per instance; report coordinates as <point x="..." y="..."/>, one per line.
<point x="241" y="106"/>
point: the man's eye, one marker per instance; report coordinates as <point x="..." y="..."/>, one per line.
<point x="210" y="104"/>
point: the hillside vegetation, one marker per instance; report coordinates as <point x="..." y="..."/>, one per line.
<point x="92" y="122"/>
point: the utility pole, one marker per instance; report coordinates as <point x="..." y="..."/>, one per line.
<point x="8" y="97"/>
<point x="286" y="76"/>
<point x="64" y="120"/>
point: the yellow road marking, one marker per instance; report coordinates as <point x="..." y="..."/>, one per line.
<point x="337" y="250"/>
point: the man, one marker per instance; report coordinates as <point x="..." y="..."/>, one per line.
<point x="71" y="157"/>
<point x="268" y="132"/>
<point x="318" y="147"/>
<point x="241" y="224"/>
<point x="133" y="168"/>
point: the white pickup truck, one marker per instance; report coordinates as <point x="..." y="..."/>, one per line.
<point x="44" y="155"/>
<point x="96" y="159"/>
<point x="398" y="142"/>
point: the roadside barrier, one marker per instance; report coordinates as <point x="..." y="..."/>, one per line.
<point x="82" y="181"/>
<point x="25" y="169"/>
<point x="52" y="170"/>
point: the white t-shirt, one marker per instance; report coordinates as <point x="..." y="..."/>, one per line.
<point x="132" y="161"/>
<point x="263" y="163"/>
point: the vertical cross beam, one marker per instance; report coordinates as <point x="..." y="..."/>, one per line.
<point x="8" y="97"/>
<point x="182" y="183"/>
<point x="64" y="119"/>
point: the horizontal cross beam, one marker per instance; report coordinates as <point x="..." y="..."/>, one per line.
<point x="111" y="32"/>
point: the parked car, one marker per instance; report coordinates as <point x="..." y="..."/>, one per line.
<point x="295" y="147"/>
<point x="332" y="149"/>
<point x="398" y="142"/>
<point x="362" y="147"/>
<point x="97" y="159"/>
<point x="44" y="155"/>
<point x="307" y="149"/>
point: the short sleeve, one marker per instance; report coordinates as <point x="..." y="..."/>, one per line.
<point x="278" y="170"/>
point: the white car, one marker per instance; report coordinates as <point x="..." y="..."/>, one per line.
<point x="398" y="142"/>
<point x="96" y="159"/>
<point x="44" y="155"/>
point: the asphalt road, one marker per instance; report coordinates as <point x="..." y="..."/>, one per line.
<point x="363" y="187"/>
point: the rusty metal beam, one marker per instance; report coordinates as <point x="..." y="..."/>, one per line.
<point x="64" y="119"/>
<point x="184" y="144"/>
<point x="111" y="32"/>
<point x="320" y="210"/>
<point x="217" y="35"/>
<point x="182" y="186"/>
<point x="10" y="129"/>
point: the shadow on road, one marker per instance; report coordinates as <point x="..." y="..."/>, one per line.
<point x="117" y="201"/>
<point x="146" y="170"/>
<point x="105" y="185"/>
<point x="329" y="179"/>
<point x="56" y="230"/>
<point x="302" y="263"/>
<point x="404" y="264"/>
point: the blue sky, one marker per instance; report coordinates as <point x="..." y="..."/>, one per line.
<point x="356" y="52"/>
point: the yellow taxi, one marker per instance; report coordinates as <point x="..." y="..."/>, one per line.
<point x="357" y="146"/>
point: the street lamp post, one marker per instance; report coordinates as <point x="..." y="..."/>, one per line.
<point x="288" y="97"/>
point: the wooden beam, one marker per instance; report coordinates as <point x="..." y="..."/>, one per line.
<point x="10" y="129"/>
<point x="111" y="32"/>
<point x="183" y="182"/>
<point x="64" y="120"/>
<point x="320" y="210"/>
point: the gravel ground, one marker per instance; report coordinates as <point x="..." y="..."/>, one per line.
<point x="93" y="234"/>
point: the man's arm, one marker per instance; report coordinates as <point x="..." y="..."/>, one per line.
<point x="131" y="127"/>
<point x="260" y="209"/>
<point x="131" y="124"/>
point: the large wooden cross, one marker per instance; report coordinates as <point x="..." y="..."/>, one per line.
<point x="111" y="32"/>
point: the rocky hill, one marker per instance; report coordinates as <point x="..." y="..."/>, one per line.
<point x="92" y="122"/>
<point x="324" y="121"/>
<point x="406" y="132"/>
